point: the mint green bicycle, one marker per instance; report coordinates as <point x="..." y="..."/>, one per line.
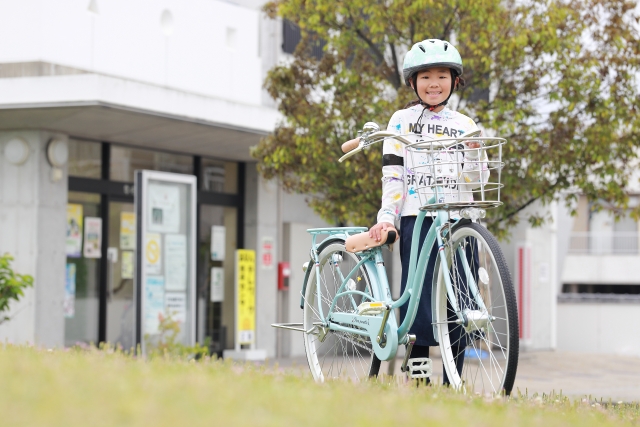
<point x="349" y="325"/>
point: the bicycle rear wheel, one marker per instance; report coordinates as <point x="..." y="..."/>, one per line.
<point x="480" y="353"/>
<point x="333" y="354"/>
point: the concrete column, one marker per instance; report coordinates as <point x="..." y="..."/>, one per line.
<point x="33" y="229"/>
<point x="261" y="224"/>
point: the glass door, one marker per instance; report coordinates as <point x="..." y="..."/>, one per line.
<point x="216" y="286"/>
<point x="120" y="255"/>
<point x="81" y="301"/>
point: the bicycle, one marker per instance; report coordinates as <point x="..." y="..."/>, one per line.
<point x="349" y="324"/>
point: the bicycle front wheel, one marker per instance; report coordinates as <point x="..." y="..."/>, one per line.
<point x="334" y="354"/>
<point x="479" y="344"/>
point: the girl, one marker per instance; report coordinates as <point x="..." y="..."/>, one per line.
<point x="433" y="69"/>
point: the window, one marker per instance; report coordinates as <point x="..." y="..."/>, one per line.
<point x="85" y="159"/>
<point x="219" y="176"/>
<point x="291" y="36"/>
<point x="125" y="161"/>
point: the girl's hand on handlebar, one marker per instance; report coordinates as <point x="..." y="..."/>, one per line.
<point x="374" y="231"/>
<point x="472" y="144"/>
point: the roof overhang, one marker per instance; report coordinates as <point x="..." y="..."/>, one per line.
<point x="104" y="108"/>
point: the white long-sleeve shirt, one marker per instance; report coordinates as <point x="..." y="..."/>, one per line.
<point x="404" y="174"/>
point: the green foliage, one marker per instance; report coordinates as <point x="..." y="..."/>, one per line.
<point x="557" y="78"/>
<point x="109" y="388"/>
<point x="12" y="285"/>
<point x="167" y="344"/>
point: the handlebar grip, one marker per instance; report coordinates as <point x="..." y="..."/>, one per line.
<point x="350" y="145"/>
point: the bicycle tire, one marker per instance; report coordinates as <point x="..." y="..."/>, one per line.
<point x="489" y="346"/>
<point x="337" y="355"/>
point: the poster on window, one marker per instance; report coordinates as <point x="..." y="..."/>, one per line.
<point x="127" y="231"/>
<point x="218" y="240"/>
<point x="217" y="284"/>
<point x="74" y="230"/>
<point x="92" y="237"/>
<point x="69" y="302"/>
<point x="164" y="208"/>
<point x="126" y="270"/>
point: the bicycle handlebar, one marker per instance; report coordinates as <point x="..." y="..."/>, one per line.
<point x="350" y="145"/>
<point x="356" y="145"/>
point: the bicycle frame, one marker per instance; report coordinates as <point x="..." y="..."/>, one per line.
<point x="372" y="261"/>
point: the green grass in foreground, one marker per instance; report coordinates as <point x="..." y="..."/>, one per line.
<point x="101" y="388"/>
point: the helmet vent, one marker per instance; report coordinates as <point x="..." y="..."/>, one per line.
<point x="432" y="41"/>
<point x="446" y="46"/>
<point x="422" y="48"/>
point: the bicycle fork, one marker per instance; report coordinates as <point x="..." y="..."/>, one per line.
<point x="468" y="318"/>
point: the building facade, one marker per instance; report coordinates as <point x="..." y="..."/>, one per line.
<point x="94" y="90"/>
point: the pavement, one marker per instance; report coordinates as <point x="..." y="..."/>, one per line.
<point x="610" y="377"/>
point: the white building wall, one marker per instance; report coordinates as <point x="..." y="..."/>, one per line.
<point x="599" y="327"/>
<point x="531" y="254"/>
<point x="206" y="47"/>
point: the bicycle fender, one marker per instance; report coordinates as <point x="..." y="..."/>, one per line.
<point x="304" y="283"/>
<point x="310" y="266"/>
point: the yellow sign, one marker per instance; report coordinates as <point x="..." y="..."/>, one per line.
<point x="246" y="288"/>
<point x="153" y="253"/>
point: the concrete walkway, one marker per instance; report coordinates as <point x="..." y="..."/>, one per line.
<point x="575" y="374"/>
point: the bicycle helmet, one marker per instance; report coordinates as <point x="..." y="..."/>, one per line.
<point x="431" y="53"/>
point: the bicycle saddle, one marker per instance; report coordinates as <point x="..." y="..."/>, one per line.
<point x="361" y="241"/>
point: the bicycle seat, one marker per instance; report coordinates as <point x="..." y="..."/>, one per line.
<point x="361" y="241"/>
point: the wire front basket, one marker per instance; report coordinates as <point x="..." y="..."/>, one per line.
<point x="454" y="173"/>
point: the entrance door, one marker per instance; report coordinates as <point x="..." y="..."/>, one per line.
<point x="120" y="304"/>
<point x="82" y="274"/>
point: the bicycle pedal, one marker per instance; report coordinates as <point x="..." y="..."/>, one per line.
<point x="420" y="367"/>
<point x="371" y="308"/>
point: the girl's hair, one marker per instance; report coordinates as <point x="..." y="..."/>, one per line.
<point x="454" y="74"/>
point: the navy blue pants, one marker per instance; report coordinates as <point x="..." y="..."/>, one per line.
<point x="422" y="326"/>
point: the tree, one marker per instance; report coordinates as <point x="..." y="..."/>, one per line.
<point x="558" y="79"/>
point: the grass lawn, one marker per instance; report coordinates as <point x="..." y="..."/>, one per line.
<point x="102" y="388"/>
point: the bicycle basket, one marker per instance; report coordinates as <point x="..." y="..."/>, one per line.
<point x="448" y="175"/>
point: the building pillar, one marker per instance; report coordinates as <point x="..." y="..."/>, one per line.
<point x="33" y="200"/>
<point x="261" y="229"/>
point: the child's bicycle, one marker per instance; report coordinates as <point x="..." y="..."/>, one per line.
<point x="349" y="325"/>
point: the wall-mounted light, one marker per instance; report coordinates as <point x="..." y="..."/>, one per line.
<point x="16" y="151"/>
<point x="57" y="155"/>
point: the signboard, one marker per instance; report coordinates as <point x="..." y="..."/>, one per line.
<point x="74" y="231"/>
<point x="165" y="264"/>
<point x="246" y="295"/>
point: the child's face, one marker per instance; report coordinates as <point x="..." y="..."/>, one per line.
<point x="434" y="85"/>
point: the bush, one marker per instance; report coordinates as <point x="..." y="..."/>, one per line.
<point x="12" y="285"/>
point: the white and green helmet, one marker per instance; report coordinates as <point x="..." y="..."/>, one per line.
<point x="428" y="54"/>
